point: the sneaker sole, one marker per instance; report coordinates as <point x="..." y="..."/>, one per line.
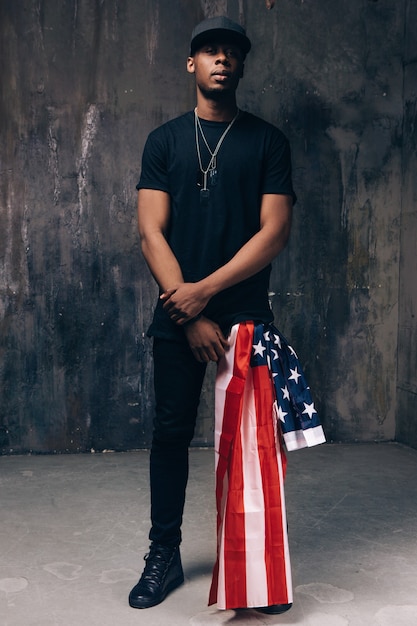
<point x="274" y="610"/>
<point x="147" y="605"/>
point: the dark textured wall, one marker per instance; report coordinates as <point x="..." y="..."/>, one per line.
<point x="407" y="336"/>
<point x="83" y="82"/>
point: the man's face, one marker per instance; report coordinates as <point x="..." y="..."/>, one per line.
<point x="218" y="68"/>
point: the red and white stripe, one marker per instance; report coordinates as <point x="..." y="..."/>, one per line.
<point x="253" y="563"/>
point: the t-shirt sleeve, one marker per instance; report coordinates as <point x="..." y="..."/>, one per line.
<point x="278" y="171"/>
<point x="154" y="174"/>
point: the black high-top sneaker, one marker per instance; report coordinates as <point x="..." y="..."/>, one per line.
<point x="162" y="574"/>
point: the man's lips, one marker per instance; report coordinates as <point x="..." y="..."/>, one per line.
<point x="221" y="78"/>
<point x="223" y="74"/>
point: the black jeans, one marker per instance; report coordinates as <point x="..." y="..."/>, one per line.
<point x="178" y="379"/>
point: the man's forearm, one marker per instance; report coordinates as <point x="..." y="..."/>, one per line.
<point x="256" y="254"/>
<point x="161" y="261"/>
<point x="154" y="211"/>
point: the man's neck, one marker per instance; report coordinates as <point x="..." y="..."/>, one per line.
<point x="216" y="110"/>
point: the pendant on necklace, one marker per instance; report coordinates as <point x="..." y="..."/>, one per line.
<point x="205" y="180"/>
<point x="213" y="178"/>
<point x="204" y="191"/>
<point x="204" y="195"/>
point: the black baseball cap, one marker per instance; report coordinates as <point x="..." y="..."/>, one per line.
<point x="220" y="27"/>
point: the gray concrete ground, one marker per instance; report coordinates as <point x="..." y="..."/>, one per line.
<point x="73" y="530"/>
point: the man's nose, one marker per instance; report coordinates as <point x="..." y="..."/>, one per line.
<point x="222" y="58"/>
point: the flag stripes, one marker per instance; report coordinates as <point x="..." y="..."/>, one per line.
<point x="253" y="565"/>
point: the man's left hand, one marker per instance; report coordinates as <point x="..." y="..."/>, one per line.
<point x="184" y="302"/>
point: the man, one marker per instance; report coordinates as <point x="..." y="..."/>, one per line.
<point x="214" y="207"/>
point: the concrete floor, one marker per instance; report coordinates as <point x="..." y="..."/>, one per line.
<point x="73" y="530"/>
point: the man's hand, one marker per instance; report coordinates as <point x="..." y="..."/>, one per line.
<point x="184" y="302"/>
<point x="206" y="340"/>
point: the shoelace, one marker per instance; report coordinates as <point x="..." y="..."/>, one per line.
<point x="157" y="561"/>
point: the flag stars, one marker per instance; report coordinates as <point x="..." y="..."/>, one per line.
<point x="309" y="409"/>
<point x="266" y="336"/>
<point x="274" y="354"/>
<point x="294" y="375"/>
<point x="285" y="393"/>
<point x="277" y="341"/>
<point x="259" y="348"/>
<point x="281" y="414"/>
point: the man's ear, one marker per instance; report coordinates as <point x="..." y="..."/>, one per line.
<point x="190" y="65"/>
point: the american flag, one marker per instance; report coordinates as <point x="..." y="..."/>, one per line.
<point x="259" y="372"/>
<point x="294" y="405"/>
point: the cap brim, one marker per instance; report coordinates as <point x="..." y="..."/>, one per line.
<point x="217" y="34"/>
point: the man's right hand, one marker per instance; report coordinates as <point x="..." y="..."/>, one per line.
<point x="205" y="339"/>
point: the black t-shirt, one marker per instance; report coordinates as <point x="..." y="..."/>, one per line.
<point x="204" y="234"/>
